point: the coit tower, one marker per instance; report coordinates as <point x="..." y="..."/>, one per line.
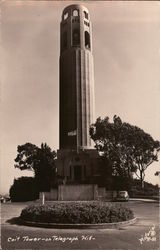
<point x="76" y="158"/>
<point x="76" y="78"/>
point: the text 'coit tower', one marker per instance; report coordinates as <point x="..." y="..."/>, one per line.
<point x="76" y="78"/>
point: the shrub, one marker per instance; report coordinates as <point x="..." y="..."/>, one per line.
<point x="77" y="213"/>
<point x="24" y="189"/>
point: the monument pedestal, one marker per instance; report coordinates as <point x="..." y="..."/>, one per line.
<point x="73" y="192"/>
<point x="77" y="167"/>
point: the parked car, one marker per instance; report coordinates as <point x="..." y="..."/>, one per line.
<point x="2" y="199"/>
<point x="121" y="196"/>
<point x="7" y="198"/>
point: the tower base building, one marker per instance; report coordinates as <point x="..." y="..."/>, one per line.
<point x="76" y="167"/>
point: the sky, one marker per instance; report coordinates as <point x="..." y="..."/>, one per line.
<point x="126" y="51"/>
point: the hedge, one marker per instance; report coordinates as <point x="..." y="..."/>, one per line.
<point x="77" y="213"/>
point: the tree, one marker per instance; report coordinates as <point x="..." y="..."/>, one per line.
<point x="24" y="189"/>
<point x="45" y="168"/>
<point x="111" y="179"/>
<point x="104" y="175"/>
<point x="39" y="160"/>
<point x="27" y="157"/>
<point x="128" y="148"/>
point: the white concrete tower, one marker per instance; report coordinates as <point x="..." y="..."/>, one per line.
<point x="76" y="78"/>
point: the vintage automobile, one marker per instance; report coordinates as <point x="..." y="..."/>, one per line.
<point x="4" y="199"/>
<point x="121" y="196"/>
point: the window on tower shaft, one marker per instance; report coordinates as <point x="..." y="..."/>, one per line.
<point x="70" y="172"/>
<point x="84" y="171"/>
<point x="87" y="40"/>
<point x="85" y="14"/>
<point x="76" y="37"/>
<point x="65" y="16"/>
<point x="64" y="40"/>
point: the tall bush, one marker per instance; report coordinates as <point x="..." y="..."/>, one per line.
<point x="24" y="189"/>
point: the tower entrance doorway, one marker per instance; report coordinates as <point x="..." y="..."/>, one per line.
<point x="77" y="173"/>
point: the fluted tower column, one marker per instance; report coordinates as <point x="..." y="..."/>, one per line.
<point x="76" y="78"/>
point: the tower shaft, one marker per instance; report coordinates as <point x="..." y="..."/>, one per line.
<point x="76" y="79"/>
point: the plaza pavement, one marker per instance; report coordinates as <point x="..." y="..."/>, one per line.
<point x="144" y="234"/>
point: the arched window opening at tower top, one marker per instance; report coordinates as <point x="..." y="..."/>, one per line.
<point x="85" y="14"/>
<point x="65" y="16"/>
<point x="87" y="40"/>
<point x="76" y="37"/>
<point x="75" y="13"/>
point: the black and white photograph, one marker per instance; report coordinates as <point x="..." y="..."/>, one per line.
<point x="80" y="125"/>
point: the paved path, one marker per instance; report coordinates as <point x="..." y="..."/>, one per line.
<point x="144" y="200"/>
<point x="142" y="235"/>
